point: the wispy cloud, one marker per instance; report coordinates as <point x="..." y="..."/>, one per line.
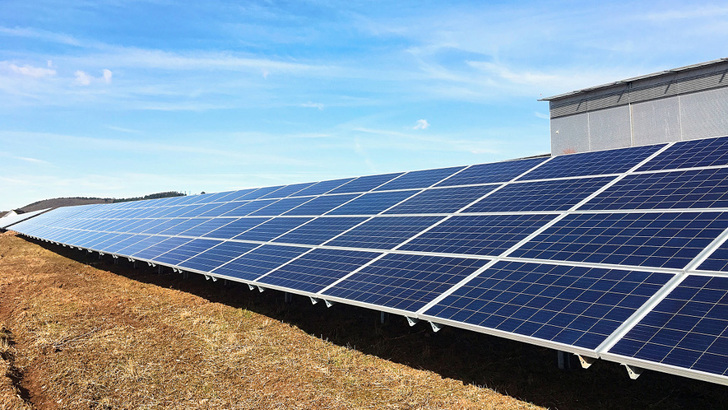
<point x="421" y="125"/>
<point x="39" y="34"/>
<point x="318" y="106"/>
<point x="30" y="71"/>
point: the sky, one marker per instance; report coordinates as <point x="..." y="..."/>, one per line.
<point x="118" y="98"/>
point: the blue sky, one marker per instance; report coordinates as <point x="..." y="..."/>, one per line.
<point x="125" y="98"/>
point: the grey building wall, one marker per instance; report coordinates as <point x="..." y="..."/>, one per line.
<point x="681" y="104"/>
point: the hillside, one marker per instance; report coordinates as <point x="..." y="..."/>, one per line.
<point x="59" y="202"/>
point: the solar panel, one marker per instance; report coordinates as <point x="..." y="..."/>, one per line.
<point x="573" y="305"/>
<point x="539" y="196"/>
<point x="405" y="282"/>
<point x="419" y="179"/>
<point x="513" y="248"/>
<point x="593" y="163"/>
<point x="9" y="220"/>
<point x="490" y="173"/>
<point x="317" y="269"/>
<point x="384" y="233"/>
<point x="687" y="329"/>
<point x="707" y="188"/>
<point x="217" y="256"/>
<point x="372" y="203"/>
<point x="636" y="239"/>
<point x="688" y="154"/>
<point x="477" y="235"/>
<point x="446" y="200"/>
<point x="259" y="261"/>
<point x="363" y="184"/>
<point x="319" y="230"/>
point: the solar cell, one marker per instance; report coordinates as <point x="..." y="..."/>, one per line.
<point x="123" y="243"/>
<point x="247" y="208"/>
<point x="687" y="329"/>
<point x="557" y="195"/>
<point x="477" y="235"/>
<point x="707" y="188"/>
<point x="372" y="203"/>
<point x="141" y="245"/>
<point x="319" y="230"/>
<point x="259" y="261"/>
<point x="576" y="306"/>
<point x="364" y="184"/>
<point x="668" y="240"/>
<point x="688" y="154"/>
<point x="445" y="200"/>
<point x="406" y="282"/>
<point x="493" y="172"/>
<point x="217" y="256"/>
<point x="419" y="179"/>
<point x="206" y="227"/>
<point x="384" y="233"/>
<point x="183" y="225"/>
<point x="593" y="163"/>
<point x="317" y="269"/>
<point x="222" y="209"/>
<point x="287" y="190"/>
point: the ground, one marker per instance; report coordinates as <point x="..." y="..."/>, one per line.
<point x="79" y="332"/>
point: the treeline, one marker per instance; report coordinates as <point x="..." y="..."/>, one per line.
<point x="158" y="195"/>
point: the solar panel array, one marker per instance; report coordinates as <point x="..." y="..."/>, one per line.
<point x="619" y="254"/>
<point x="9" y="220"/>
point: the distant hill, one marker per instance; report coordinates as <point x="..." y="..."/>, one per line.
<point x="60" y="202"/>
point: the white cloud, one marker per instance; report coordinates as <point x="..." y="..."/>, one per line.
<point x="421" y="125"/>
<point x="542" y="115"/>
<point x="309" y="104"/>
<point x="82" y="78"/>
<point x="30" y="71"/>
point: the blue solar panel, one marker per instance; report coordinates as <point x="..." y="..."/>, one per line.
<point x="141" y="245"/>
<point x="261" y="192"/>
<point x="419" y="179"/>
<point x="159" y="248"/>
<point x="319" y="230"/>
<point x="183" y="225"/>
<point x="490" y="173"/>
<point x="288" y="190"/>
<point x="318" y="269"/>
<point x="321" y="205"/>
<point x="364" y="184"/>
<point x="186" y="251"/>
<point x="406" y="282"/>
<point x="280" y="207"/>
<point x="128" y="241"/>
<point x="241" y="195"/>
<point x="271" y="228"/>
<point x="445" y="200"/>
<point x="668" y="240"/>
<point x="162" y="226"/>
<point x="259" y="261"/>
<point x="246" y="208"/>
<point x="206" y="227"/>
<point x="322" y="187"/>
<point x="718" y="260"/>
<point x="706" y="188"/>
<point x="222" y="209"/>
<point x="688" y="154"/>
<point x="577" y="306"/>
<point x="557" y="195"/>
<point x="235" y="227"/>
<point x="593" y="163"/>
<point x="384" y="233"/>
<point x="688" y="329"/>
<point x="217" y="256"/>
<point x="372" y="203"/>
<point x="477" y="235"/>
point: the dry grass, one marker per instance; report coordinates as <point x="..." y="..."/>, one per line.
<point x="89" y="338"/>
<point x="94" y="335"/>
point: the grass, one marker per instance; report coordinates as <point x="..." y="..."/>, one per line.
<point x="88" y="334"/>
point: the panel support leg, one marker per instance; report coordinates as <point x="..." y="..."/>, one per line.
<point x="633" y="372"/>
<point x="185" y="275"/>
<point x="383" y="317"/>
<point x="287" y="298"/>
<point x="564" y="360"/>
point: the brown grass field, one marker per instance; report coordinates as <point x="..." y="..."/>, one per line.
<point x="79" y="332"/>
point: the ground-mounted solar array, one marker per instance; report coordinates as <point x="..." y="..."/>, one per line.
<point x="620" y="255"/>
